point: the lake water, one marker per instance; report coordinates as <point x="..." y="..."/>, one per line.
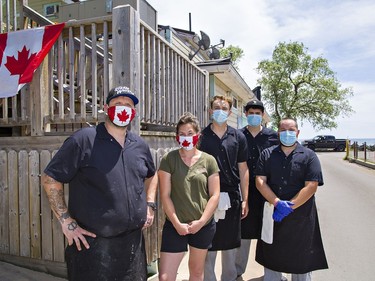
<point x="368" y="141"/>
<point x="361" y="141"/>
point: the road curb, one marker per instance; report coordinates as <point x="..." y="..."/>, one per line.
<point x="362" y="163"/>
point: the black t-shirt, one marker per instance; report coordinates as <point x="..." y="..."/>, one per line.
<point x="228" y="151"/>
<point x="106" y="182"/>
<point x="286" y="175"/>
<point x="255" y="145"/>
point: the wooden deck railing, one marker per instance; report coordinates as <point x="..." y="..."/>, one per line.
<point x="93" y="55"/>
<point x="68" y="91"/>
<point x="171" y="84"/>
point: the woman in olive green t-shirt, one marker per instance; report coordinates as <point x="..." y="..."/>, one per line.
<point x="189" y="190"/>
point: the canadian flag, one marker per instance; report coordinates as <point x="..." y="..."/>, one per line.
<point x="21" y="52"/>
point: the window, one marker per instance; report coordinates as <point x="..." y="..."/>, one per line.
<point x="51" y="10"/>
<point x="235" y="103"/>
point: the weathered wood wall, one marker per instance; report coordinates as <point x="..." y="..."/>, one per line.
<point x="71" y="86"/>
<point x="28" y="228"/>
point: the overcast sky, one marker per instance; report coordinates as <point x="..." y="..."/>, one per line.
<point x="342" y="31"/>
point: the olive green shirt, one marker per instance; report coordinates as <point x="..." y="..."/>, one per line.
<point x="189" y="185"/>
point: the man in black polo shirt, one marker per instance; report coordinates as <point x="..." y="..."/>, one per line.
<point x="258" y="138"/>
<point x="228" y="146"/>
<point x="288" y="176"/>
<point x="111" y="176"/>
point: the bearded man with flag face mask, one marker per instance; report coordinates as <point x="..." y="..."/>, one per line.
<point x="228" y="146"/>
<point x="288" y="175"/>
<point x="112" y="190"/>
<point x="189" y="191"/>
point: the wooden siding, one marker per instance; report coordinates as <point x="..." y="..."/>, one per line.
<point x="28" y="228"/>
<point x="38" y="5"/>
<point x="76" y="77"/>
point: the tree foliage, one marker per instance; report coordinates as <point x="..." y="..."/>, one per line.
<point x="237" y="54"/>
<point x="299" y="86"/>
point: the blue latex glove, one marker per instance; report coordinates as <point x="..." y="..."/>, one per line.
<point x="277" y="216"/>
<point x="284" y="207"/>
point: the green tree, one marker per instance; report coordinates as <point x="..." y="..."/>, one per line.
<point x="237" y="54"/>
<point x="297" y="85"/>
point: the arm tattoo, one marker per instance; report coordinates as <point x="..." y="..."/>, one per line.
<point x="64" y="216"/>
<point x="49" y="180"/>
<point x="72" y="226"/>
<point x="56" y="199"/>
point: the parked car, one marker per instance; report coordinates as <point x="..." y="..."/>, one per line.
<point x="325" y="142"/>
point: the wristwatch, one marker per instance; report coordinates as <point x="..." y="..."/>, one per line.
<point x="152" y="205"/>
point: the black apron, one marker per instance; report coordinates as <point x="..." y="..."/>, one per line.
<point x="228" y="230"/>
<point x="251" y="225"/>
<point x="120" y="258"/>
<point x="297" y="244"/>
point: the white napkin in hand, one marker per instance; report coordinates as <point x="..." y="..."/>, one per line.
<point x="224" y="204"/>
<point x="267" y="227"/>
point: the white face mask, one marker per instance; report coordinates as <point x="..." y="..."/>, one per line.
<point x="121" y="115"/>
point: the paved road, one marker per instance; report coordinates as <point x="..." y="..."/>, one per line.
<point x="346" y="209"/>
<point x="9" y="272"/>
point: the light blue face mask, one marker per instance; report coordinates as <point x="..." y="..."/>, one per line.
<point x="288" y="138"/>
<point x="219" y="116"/>
<point x="254" y="120"/>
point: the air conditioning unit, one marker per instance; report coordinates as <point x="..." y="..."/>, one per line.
<point x="51" y="9"/>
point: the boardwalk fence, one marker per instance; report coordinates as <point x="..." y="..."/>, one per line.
<point x="362" y="152"/>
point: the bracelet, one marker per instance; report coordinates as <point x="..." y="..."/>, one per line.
<point x="152" y="205"/>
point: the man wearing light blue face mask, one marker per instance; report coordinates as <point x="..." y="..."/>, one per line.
<point x="258" y="138"/>
<point x="229" y="148"/>
<point x="288" y="176"/>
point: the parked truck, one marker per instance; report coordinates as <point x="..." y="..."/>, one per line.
<point x="325" y="142"/>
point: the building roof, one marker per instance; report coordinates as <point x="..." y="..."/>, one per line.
<point x="224" y="70"/>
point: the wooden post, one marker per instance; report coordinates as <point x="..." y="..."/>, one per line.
<point x="21" y="16"/>
<point x="39" y="99"/>
<point x="126" y="52"/>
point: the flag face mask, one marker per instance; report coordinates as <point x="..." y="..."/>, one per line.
<point x="121" y="115"/>
<point x="187" y="142"/>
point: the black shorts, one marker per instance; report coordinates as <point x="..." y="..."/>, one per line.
<point x="172" y="242"/>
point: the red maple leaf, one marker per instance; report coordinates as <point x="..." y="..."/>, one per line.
<point x="18" y="66"/>
<point x="123" y="116"/>
<point x="185" y="143"/>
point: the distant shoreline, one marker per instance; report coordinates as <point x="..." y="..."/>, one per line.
<point x="364" y="140"/>
<point x="368" y="141"/>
